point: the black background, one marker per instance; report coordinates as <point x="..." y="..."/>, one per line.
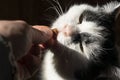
<point x="36" y="11"/>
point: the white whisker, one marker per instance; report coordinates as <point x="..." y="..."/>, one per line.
<point x="48" y="17"/>
<point x="66" y="8"/>
<point x="57" y="2"/>
<point x="101" y="49"/>
<point x="108" y="48"/>
<point x="55" y="8"/>
<point x="58" y="10"/>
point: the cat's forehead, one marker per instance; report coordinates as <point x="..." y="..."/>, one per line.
<point x="96" y="15"/>
<point x="100" y="18"/>
<point x="72" y="15"/>
<point x="77" y="10"/>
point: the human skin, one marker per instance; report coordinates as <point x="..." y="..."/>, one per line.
<point x="22" y="39"/>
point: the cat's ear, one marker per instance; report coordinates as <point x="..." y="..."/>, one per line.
<point x="116" y="27"/>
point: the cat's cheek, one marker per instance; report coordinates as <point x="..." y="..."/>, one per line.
<point x="60" y="37"/>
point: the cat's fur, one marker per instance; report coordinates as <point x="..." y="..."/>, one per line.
<point x="86" y="48"/>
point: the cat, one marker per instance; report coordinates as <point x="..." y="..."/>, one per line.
<point x="86" y="48"/>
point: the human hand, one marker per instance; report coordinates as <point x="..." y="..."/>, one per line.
<point x="23" y="41"/>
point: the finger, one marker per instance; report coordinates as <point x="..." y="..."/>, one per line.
<point x="41" y="34"/>
<point x="51" y="41"/>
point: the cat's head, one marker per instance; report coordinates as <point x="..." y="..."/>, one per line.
<point x="87" y="29"/>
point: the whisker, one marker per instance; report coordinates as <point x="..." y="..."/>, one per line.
<point x="54" y="7"/>
<point x="48" y="18"/>
<point x="57" y="2"/>
<point x="108" y="48"/>
<point x="66" y="8"/>
<point x="58" y="10"/>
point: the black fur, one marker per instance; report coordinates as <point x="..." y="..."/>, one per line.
<point x="105" y="60"/>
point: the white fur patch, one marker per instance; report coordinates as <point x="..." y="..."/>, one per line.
<point x="72" y="16"/>
<point x="90" y="27"/>
<point x="48" y="70"/>
<point x="117" y="72"/>
<point x="63" y="39"/>
<point x="110" y="7"/>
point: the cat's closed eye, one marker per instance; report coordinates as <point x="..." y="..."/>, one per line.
<point x="83" y="37"/>
<point x="88" y="38"/>
<point x="80" y="19"/>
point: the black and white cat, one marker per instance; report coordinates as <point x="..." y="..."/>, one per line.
<point x="86" y="48"/>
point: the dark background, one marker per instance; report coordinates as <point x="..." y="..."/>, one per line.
<point x="36" y="11"/>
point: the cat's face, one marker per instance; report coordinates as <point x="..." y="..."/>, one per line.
<point x="85" y="29"/>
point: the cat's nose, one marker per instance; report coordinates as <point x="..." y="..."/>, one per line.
<point x="67" y="30"/>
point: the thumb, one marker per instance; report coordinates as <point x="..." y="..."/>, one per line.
<point x="40" y="34"/>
